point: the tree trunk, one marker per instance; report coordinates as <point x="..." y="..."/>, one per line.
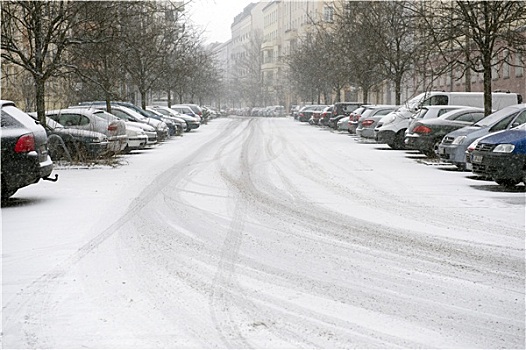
<point x="487" y="85"/>
<point x="40" y="98"/>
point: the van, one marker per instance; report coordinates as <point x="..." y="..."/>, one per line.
<point x="391" y="129"/>
<point x="471" y="99"/>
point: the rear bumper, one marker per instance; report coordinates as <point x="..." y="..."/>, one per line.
<point x="24" y="170"/>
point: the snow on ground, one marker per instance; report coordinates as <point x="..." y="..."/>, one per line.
<point x="264" y="233"/>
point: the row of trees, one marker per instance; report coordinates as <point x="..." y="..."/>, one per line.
<point x="104" y="49"/>
<point x="374" y="42"/>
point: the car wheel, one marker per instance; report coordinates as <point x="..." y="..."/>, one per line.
<point x="399" y="140"/>
<point x="7" y="193"/>
<point x="461" y="166"/>
<point x="429" y="153"/>
<point x="507" y="182"/>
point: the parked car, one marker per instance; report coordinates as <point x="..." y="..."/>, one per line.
<point x="502" y="156"/>
<point x="342" y="123"/>
<point x="370" y="118"/>
<point x="453" y="147"/>
<point x="198" y="111"/>
<point x="391" y="128"/>
<point x="24" y="150"/>
<point x="183" y="109"/>
<point x="306" y="112"/>
<point x="316" y="115"/>
<point x="174" y="129"/>
<point x="326" y="115"/>
<point x="130" y="115"/>
<point x="172" y="115"/>
<point x="138" y="133"/>
<point x="294" y="109"/>
<point x="90" y="119"/>
<point x="426" y="135"/>
<point x="355" y="116"/>
<point x="74" y="144"/>
<point x="344" y="108"/>
<point x="190" y="118"/>
<point x="129" y="111"/>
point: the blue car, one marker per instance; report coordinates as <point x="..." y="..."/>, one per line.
<point x="502" y="156"/>
<point x="453" y="147"/>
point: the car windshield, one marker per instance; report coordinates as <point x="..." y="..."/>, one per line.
<point x="495" y="117"/>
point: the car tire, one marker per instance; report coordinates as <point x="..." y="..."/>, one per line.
<point x="7" y="193"/>
<point x="399" y="140"/>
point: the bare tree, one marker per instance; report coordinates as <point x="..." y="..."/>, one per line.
<point x="147" y="36"/>
<point x="390" y="29"/>
<point x="36" y="36"/>
<point x="357" y="47"/>
<point x="477" y="35"/>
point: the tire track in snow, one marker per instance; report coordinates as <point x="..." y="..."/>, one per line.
<point x="34" y="301"/>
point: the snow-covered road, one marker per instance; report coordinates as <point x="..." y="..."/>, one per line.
<point x="264" y="233"/>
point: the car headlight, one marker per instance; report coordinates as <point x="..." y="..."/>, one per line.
<point x="504" y="148"/>
<point x="458" y="140"/>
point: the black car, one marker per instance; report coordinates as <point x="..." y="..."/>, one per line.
<point x="344" y="108"/>
<point x="426" y="135"/>
<point x="25" y="158"/>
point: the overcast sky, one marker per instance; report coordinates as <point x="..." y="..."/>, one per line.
<point x="215" y="17"/>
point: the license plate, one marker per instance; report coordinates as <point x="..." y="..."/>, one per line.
<point x="477" y="159"/>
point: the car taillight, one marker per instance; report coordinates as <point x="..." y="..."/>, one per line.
<point x="26" y="143"/>
<point x="112" y="127"/>
<point x="422" y="129"/>
<point x="367" y="122"/>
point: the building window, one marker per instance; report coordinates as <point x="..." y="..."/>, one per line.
<point x="328" y="13"/>
<point x="506" y="66"/>
<point x="519" y="65"/>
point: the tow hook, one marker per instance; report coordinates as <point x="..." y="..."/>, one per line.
<point x="50" y="179"/>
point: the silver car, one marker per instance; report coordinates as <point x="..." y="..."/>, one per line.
<point x="90" y="119"/>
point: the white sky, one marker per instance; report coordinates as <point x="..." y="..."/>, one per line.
<point x="216" y="16"/>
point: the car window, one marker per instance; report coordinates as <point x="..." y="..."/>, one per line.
<point x="503" y="124"/>
<point x="383" y="112"/>
<point x="442" y="111"/>
<point x="495" y="117"/>
<point x="120" y="114"/>
<point x="465" y="117"/>
<point x="478" y="116"/>
<point x="68" y="119"/>
<point x="8" y="122"/>
<point x="521" y="119"/>
<point x="437" y="100"/>
<point x="83" y="120"/>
